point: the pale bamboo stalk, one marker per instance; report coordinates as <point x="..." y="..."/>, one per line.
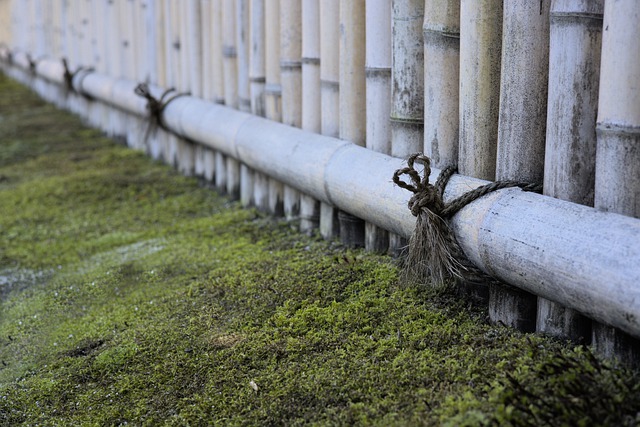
<point x="617" y="183"/>
<point x="205" y="41"/>
<point x="230" y="57"/>
<point x="352" y="100"/>
<point x="310" y="121"/>
<point x="273" y="90"/>
<point x="217" y="62"/>
<point x="256" y="57"/>
<point x="257" y="87"/>
<point x="378" y="93"/>
<point x="329" y="96"/>
<point x="194" y="47"/>
<point x="291" y="81"/>
<point x="441" y="33"/>
<point x="205" y="159"/>
<point x="480" y="50"/>
<point x="407" y="94"/>
<point x="172" y="17"/>
<point x="243" y="23"/>
<point x="570" y="153"/>
<point x="521" y="128"/>
<point x="524" y="76"/>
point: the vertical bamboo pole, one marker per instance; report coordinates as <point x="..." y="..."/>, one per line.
<point x="480" y="50"/>
<point x="174" y="46"/>
<point x="291" y="82"/>
<point x="352" y="100"/>
<point x="230" y="54"/>
<point x="570" y="153"/>
<point x="441" y="33"/>
<point x="378" y="91"/>
<point x="309" y="207"/>
<point x="257" y="77"/>
<point x="617" y="183"/>
<point x="220" y="165"/>
<point x="329" y="96"/>
<point x="407" y="94"/>
<point x="217" y="62"/>
<point x="521" y="128"/>
<point x="243" y="23"/>
<point x="195" y="65"/>
<point x="205" y="157"/>
<point x="273" y="90"/>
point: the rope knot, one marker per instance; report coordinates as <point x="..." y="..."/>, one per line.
<point x="434" y="254"/>
<point x="156" y="106"/>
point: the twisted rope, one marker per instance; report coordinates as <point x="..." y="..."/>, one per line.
<point x="33" y="63"/>
<point x="156" y="106"/>
<point x="433" y="253"/>
<point x="69" y="75"/>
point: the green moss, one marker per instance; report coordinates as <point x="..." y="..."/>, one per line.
<point x="131" y="294"/>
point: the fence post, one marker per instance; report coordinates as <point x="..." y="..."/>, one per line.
<point x="407" y="94"/>
<point x="257" y="77"/>
<point x="291" y="80"/>
<point x="329" y="96"/>
<point x="378" y="92"/>
<point x="617" y="184"/>
<point x="570" y="152"/>
<point x="521" y="128"/>
<point x="352" y="100"/>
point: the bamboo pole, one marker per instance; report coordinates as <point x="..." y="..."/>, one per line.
<point x="217" y="60"/>
<point x="617" y="181"/>
<point x="441" y="33"/>
<point x="521" y="128"/>
<point x="570" y="152"/>
<point x="230" y="58"/>
<point x="407" y="94"/>
<point x="329" y="96"/>
<point x="291" y="82"/>
<point x="352" y="99"/>
<point x="244" y="97"/>
<point x="273" y="90"/>
<point x="205" y="157"/>
<point x="257" y="87"/>
<point x="480" y="50"/>
<point x="310" y="207"/>
<point x="378" y="91"/>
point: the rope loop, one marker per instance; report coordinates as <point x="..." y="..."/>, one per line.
<point x="156" y="106"/>
<point x="433" y="253"/>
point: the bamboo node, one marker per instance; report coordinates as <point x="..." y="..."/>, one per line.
<point x="434" y="255"/>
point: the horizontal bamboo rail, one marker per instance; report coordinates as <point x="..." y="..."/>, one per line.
<point x="582" y="258"/>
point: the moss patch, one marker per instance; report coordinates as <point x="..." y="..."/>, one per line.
<point x="132" y="295"/>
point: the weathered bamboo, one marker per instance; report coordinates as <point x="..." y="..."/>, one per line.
<point x="244" y="98"/>
<point x="230" y="57"/>
<point x="329" y="96"/>
<point x="352" y="100"/>
<point x="407" y="93"/>
<point x="378" y="91"/>
<point x="257" y="78"/>
<point x="310" y="121"/>
<point x="617" y="183"/>
<point x="523" y="90"/>
<point x="273" y="90"/>
<point x="441" y="33"/>
<point x="185" y="154"/>
<point x="480" y="50"/>
<point x="206" y="42"/>
<point x="570" y="153"/>
<point x="521" y="128"/>
<point x="217" y="60"/>
<point x="291" y="81"/>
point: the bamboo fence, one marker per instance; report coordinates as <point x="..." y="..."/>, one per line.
<point x="305" y="108"/>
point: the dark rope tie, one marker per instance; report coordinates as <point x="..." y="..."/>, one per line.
<point x="156" y="106"/>
<point x="434" y="254"/>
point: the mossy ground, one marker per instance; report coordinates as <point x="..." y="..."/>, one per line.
<point x="131" y="294"/>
